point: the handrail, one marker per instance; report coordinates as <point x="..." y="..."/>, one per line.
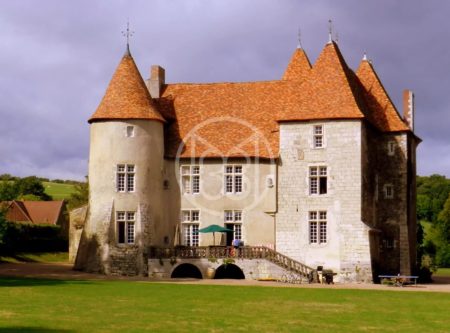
<point x="219" y="252"/>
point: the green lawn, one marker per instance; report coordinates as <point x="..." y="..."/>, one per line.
<point x="58" y="191"/>
<point x="442" y="272"/>
<point x="45" y="257"/>
<point x="32" y="305"/>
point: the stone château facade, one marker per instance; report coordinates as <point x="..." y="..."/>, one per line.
<point x="319" y="166"/>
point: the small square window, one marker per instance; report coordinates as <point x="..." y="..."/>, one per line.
<point x="388" y="191"/>
<point x="318" y="136"/>
<point x="391" y="148"/>
<point x="130" y="131"/>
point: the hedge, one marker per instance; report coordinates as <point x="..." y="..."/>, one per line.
<point x="27" y="237"/>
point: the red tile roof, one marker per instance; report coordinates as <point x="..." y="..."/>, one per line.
<point x="127" y="96"/>
<point x="383" y="113"/>
<point x="299" y="67"/>
<point x="44" y="212"/>
<point x="38" y="212"/>
<point x="241" y="119"/>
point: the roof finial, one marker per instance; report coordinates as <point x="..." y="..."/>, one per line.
<point x="299" y="45"/>
<point x="365" y="56"/>
<point x="128" y="33"/>
<point x="336" y="37"/>
<point x="330" y="31"/>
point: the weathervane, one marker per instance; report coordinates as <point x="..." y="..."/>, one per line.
<point x="299" y="45"/>
<point x="330" y="31"/>
<point x="128" y="33"/>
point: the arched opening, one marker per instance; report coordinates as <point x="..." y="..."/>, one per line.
<point x="229" y="271"/>
<point x="186" y="271"/>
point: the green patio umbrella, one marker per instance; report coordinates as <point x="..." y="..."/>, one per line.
<point x="214" y="228"/>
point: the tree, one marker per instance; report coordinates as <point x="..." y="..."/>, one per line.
<point x="432" y="192"/>
<point x="443" y="236"/>
<point x="80" y="197"/>
<point x="31" y="185"/>
<point x="8" y="191"/>
<point x="3" y="226"/>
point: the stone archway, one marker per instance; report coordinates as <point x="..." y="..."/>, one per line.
<point x="186" y="271"/>
<point x="229" y="271"/>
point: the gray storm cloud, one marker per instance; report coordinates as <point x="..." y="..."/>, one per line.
<point x="58" y="57"/>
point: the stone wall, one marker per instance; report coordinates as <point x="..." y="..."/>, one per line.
<point x="252" y="268"/>
<point x="347" y="250"/>
<point x="77" y="219"/>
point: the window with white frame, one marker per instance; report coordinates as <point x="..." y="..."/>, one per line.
<point x="318" y="181"/>
<point x="233" y="179"/>
<point x="317" y="227"/>
<point x="190" y="221"/>
<point x="391" y="148"/>
<point x="388" y="191"/>
<point x="318" y="136"/>
<point x="125" y="174"/>
<point x="190" y="179"/>
<point x="233" y="220"/>
<point x="125" y="227"/>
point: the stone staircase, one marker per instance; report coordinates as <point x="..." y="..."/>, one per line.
<point x="222" y="252"/>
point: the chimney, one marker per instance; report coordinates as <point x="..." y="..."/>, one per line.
<point x="408" y="108"/>
<point x="157" y="80"/>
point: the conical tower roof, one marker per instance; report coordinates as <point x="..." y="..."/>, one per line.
<point x="383" y="113"/>
<point x="299" y="66"/>
<point x="127" y="96"/>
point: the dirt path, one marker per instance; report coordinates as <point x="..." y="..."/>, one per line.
<point x="65" y="271"/>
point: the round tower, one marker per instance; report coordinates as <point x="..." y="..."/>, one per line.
<point x="125" y="176"/>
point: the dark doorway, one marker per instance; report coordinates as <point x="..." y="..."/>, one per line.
<point x="186" y="271"/>
<point x="229" y="271"/>
<point x="230" y="235"/>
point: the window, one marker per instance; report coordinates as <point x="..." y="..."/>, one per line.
<point x="190" y="220"/>
<point x="190" y="179"/>
<point x="318" y="180"/>
<point x="391" y="148"/>
<point x="233" y="179"/>
<point x="388" y="191"/>
<point x="125" y="178"/>
<point x="125" y="227"/>
<point x="130" y="131"/>
<point x="317" y="227"/>
<point x="233" y="220"/>
<point x="318" y="136"/>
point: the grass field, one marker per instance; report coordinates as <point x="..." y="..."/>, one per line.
<point x="442" y="272"/>
<point x="59" y="191"/>
<point x="32" y="305"/>
<point x="47" y="257"/>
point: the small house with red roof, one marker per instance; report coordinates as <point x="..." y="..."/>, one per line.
<point x="314" y="170"/>
<point x="37" y="212"/>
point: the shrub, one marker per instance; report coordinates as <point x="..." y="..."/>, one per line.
<point x="28" y="237"/>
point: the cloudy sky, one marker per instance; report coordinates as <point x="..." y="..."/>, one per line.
<point x="57" y="58"/>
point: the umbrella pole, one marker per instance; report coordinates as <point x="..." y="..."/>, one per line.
<point x="214" y="239"/>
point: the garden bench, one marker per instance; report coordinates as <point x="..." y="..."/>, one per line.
<point x="399" y="280"/>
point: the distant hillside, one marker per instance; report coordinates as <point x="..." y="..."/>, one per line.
<point x="59" y="191"/>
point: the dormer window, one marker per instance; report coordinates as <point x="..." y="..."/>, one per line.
<point x="318" y="136"/>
